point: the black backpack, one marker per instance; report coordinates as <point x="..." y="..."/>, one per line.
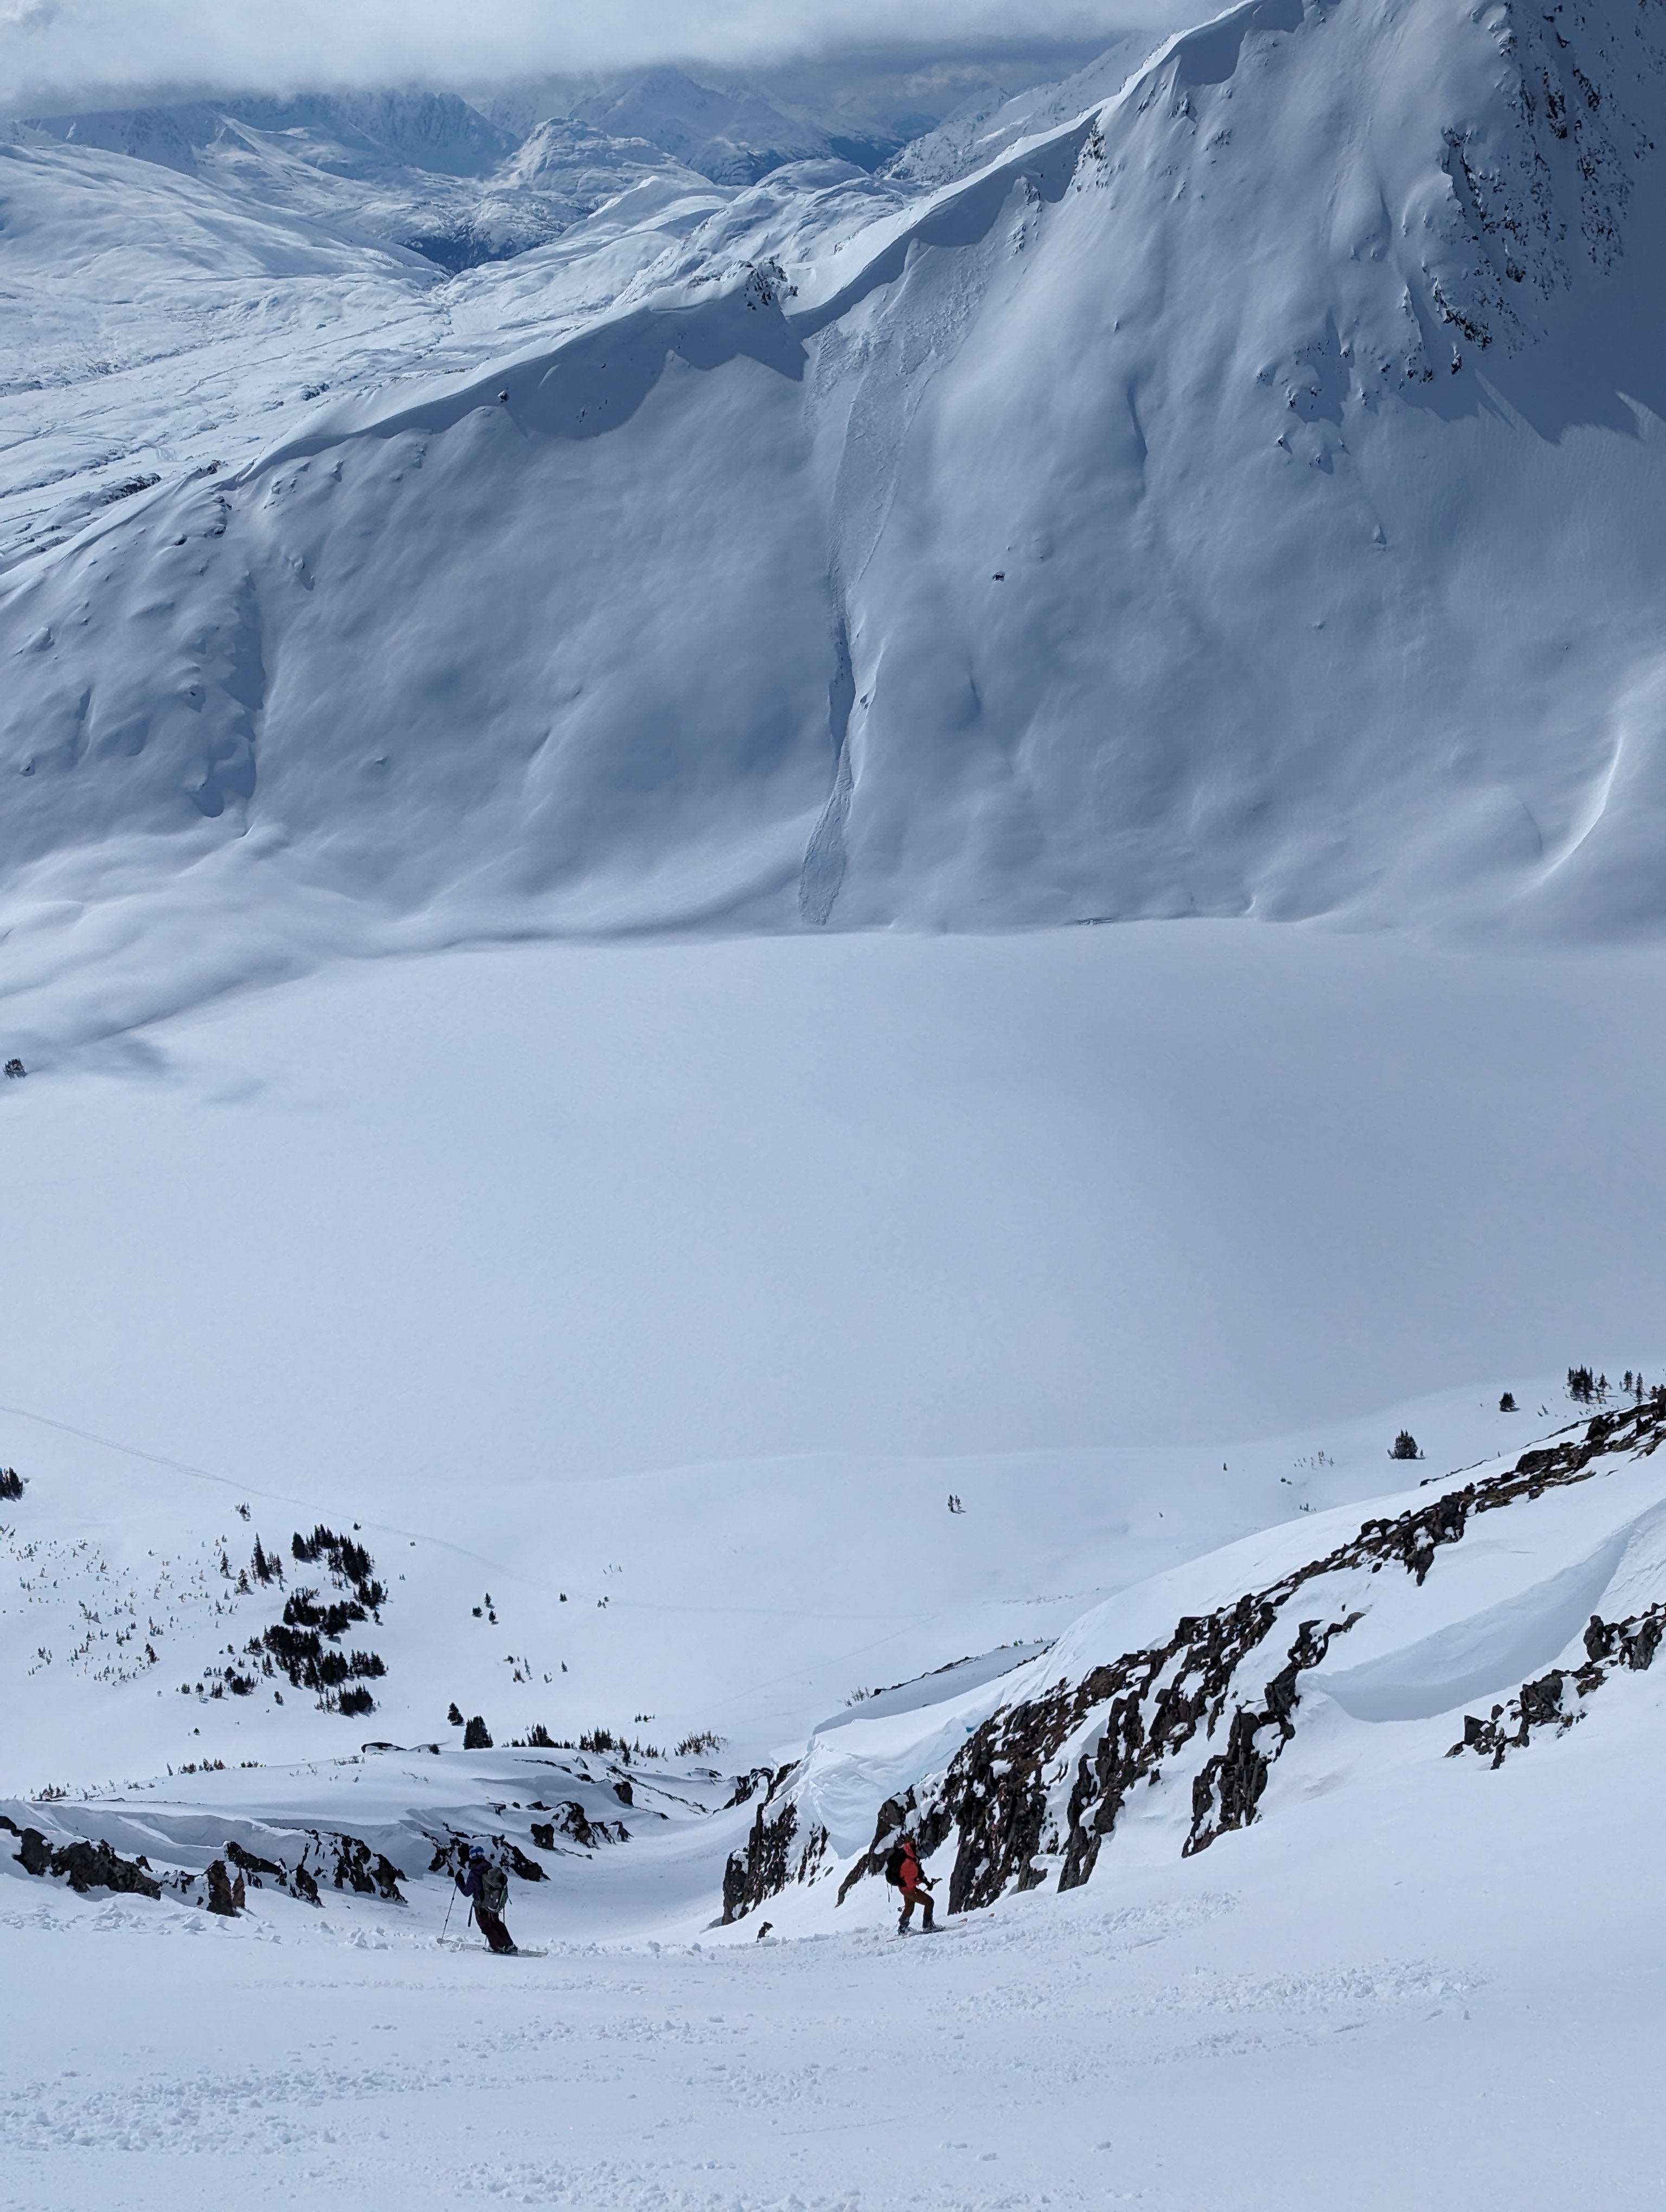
<point x="494" y="1889"/>
<point x="894" y="1859"/>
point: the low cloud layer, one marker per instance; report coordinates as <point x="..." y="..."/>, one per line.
<point x="61" y="54"/>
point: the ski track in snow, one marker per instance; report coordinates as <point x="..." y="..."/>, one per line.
<point x="759" y="2076"/>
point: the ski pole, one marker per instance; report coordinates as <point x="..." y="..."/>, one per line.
<point x="452" y="1901"/>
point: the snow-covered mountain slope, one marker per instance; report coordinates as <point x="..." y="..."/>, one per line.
<point x="732" y="136"/>
<point x="1159" y="1723"/>
<point x="157" y="323"/>
<point x="345" y="135"/>
<point x="1328" y="1941"/>
<point x="1007" y="1671"/>
<point x="543" y="1258"/>
<point x="426" y="173"/>
<point x="455" y="1258"/>
<point x="1242" y="499"/>
<point x="983" y="128"/>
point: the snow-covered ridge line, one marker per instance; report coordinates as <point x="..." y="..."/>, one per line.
<point x="1076" y="542"/>
<point x="956" y="215"/>
<point x="1216" y="42"/>
<point x="700" y="317"/>
<point x="1040" y="1785"/>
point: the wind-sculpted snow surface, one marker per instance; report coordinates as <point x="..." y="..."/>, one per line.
<point x="1243" y="499"/>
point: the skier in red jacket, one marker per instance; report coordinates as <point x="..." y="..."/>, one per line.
<point x="916" y="1889"/>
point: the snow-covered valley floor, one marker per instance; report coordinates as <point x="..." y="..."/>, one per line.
<point x="654" y="1300"/>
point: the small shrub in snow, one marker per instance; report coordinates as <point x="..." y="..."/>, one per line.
<point x="1404" y="1446"/>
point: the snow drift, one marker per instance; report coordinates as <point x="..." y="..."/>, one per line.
<point x="1245" y="498"/>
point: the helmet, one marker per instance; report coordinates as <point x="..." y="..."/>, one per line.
<point x="478" y="1852"/>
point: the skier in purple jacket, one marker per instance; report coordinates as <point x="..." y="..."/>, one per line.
<point x="487" y="1888"/>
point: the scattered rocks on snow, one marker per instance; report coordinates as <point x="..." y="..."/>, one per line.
<point x="569" y="1820"/>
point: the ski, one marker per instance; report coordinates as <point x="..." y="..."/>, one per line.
<point x="521" y="1950"/>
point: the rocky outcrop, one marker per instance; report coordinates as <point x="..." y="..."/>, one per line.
<point x="1555" y="1700"/>
<point x="256" y="1872"/>
<point x="1125" y="1724"/>
<point x="570" y="1820"/>
<point x="326" y="1856"/>
<point x="768" y="1863"/>
<point x="768" y="1779"/>
<point x="452" y="1853"/>
<point x="349" y="1862"/>
<point x="225" y="1896"/>
<point x="301" y="1861"/>
<point x="929" y="1826"/>
<point x="83" y="1865"/>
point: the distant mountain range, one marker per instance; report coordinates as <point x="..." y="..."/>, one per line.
<point x="426" y="171"/>
<point x="434" y="173"/>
